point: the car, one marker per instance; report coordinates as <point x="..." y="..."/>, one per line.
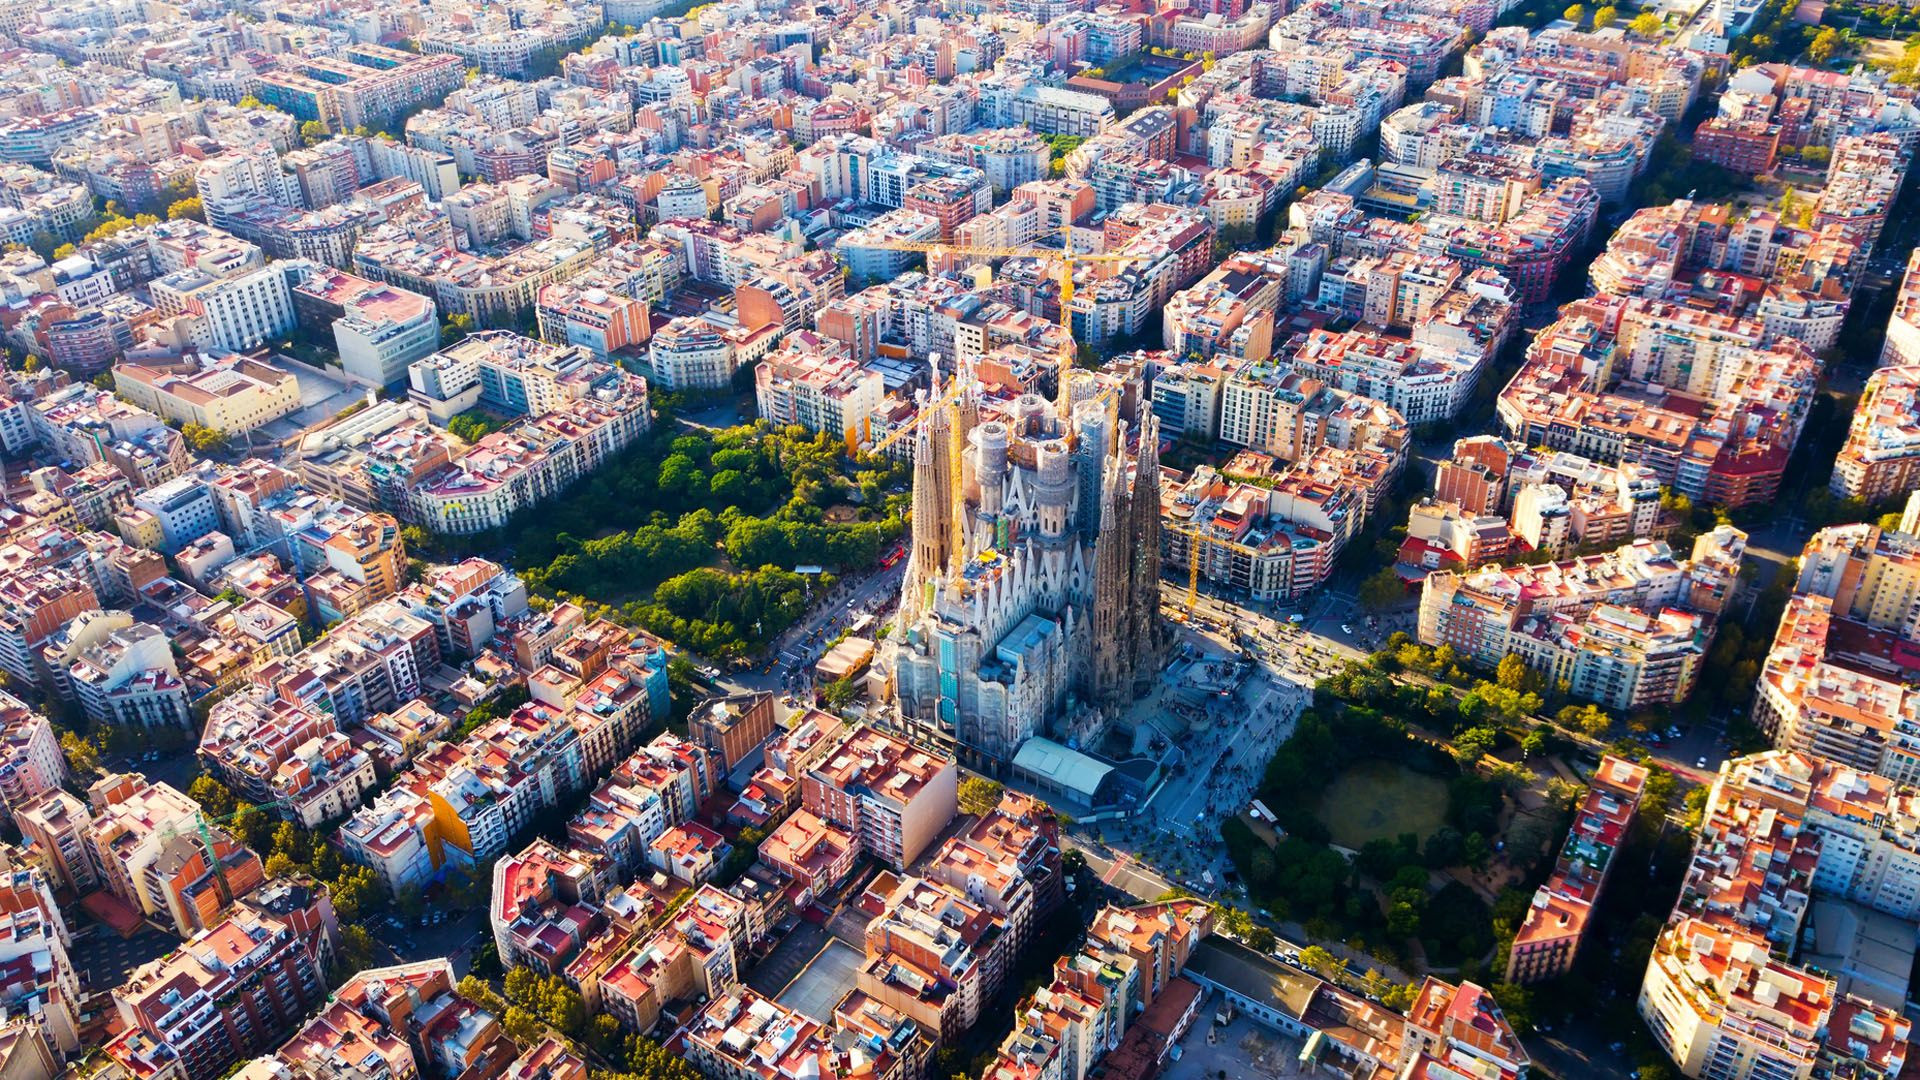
<point x="1346" y="629"/>
<point x="1700" y="763"/>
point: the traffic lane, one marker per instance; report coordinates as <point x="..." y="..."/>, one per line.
<point x="1123" y="873"/>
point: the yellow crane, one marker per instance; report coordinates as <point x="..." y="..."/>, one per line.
<point x="1196" y="540"/>
<point x="1065" y="256"/>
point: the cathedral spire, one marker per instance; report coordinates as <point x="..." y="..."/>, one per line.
<point x="1144" y="637"/>
<point x="933" y="528"/>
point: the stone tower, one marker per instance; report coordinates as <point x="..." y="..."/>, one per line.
<point x="931" y="551"/>
<point x="1033" y="590"/>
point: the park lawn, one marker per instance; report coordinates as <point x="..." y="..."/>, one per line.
<point x="1375" y="799"/>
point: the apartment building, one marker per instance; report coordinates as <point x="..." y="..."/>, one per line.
<point x="361" y="561"/>
<point x="892" y="795"/>
<point x="56" y="825"/>
<point x="1881" y="457"/>
<point x="688" y="852"/>
<point x="933" y="955"/>
<point x="1903" y="329"/>
<point x="375" y="1024"/>
<point x="817" y="854"/>
<point x="378" y="330"/>
<point x="232" y="313"/>
<point x="1007" y="861"/>
<point x="323" y="779"/>
<point x="544" y="905"/>
<point x="397" y="836"/>
<point x="1275" y="543"/>
<point x="1047" y="109"/>
<point x="31" y="763"/>
<point x="1549" y="937"/>
<point x="1442" y="535"/>
<point x="1869" y="573"/>
<point x="743" y="1036"/>
<point x="528" y="463"/>
<point x="732" y="727"/>
<point x="169" y="516"/>
<point x="229" y="993"/>
<point x="655" y="788"/>
<point x="146" y="847"/>
<point x="1423" y="384"/>
<point x="591" y="316"/>
<point x="370" y="663"/>
<point x="816" y="383"/>
<point x="1730" y="447"/>
<point x="461" y="803"/>
<point x="128" y="676"/>
<point x="39" y="984"/>
<point x="1724" y="994"/>
<point x="1115" y="1004"/>
<point x="251" y="733"/>
<point x="1627" y="626"/>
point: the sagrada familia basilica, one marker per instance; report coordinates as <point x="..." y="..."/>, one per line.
<point x="1031" y="604"/>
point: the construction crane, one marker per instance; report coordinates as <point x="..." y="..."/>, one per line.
<point x="1065" y="256"/>
<point x="203" y="830"/>
<point x="1196" y="540"/>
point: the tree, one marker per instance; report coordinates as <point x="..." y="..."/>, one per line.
<point x="82" y="759"/>
<point x="1509" y="775"/>
<point x="1533" y="742"/>
<point x="1382" y="589"/>
<point x="356" y="948"/>
<point x="1646" y="24"/>
<point x="254" y="828"/>
<point x="838" y="694"/>
<point x="1261" y="939"/>
<point x="1566" y="794"/>
<point x="1575" y="14"/>
<point x="605" y="1034"/>
<point x="204" y="440"/>
<point x="472" y="425"/>
<point x="212" y="795"/>
<point x="1511" y="672"/>
<point x="1824" y="45"/>
<point x="980" y="796"/>
<point x="1446" y="847"/>
<point x="1320" y="961"/>
<point x="279" y="865"/>
<point x="1606" y="17"/>
<point x="456" y="326"/>
<point x="524" y="1027"/>
<point x="1472" y="745"/>
<point x="1477" y="851"/>
<point x="189" y="208"/>
<point x="63" y="251"/>
<point x="355" y="892"/>
<point x="1233" y="921"/>
<point x="1589" y="720"/>
<point x="290" y="841"/>
<point x="313" y="133"/>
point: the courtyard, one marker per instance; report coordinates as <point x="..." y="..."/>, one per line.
<point x="824" y="981"/>
<point x="1242" y="1050"/>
